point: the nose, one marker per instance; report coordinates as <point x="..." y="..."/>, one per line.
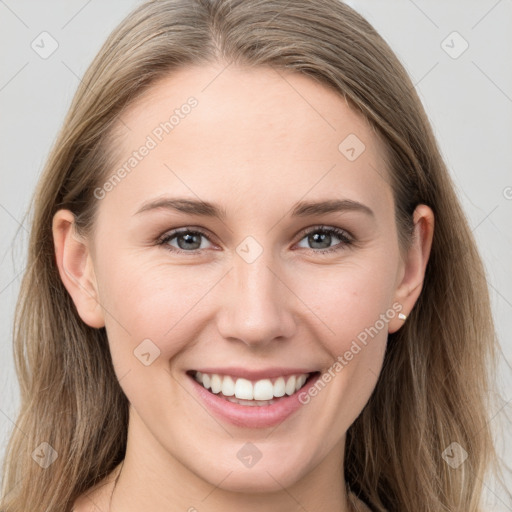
<point x="257" y="304"/>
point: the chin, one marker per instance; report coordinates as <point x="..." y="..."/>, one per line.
<point x="255" y="481"/>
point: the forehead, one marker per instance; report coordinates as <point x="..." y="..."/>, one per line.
<point x="259" y="132"/>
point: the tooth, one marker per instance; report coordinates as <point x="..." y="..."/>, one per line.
<point x="228" y="386"/>
<point x="260" y="393"/>
<point x="206" y="380"/>
<point x="279" y="387"/>
<point x="290" y="385"/>
<point x="244" y="389"/>
<point x="300" y="382"/>
<point x="263" y="390"/>
<point x="216" y="383"/>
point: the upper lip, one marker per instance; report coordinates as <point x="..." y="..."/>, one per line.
<point x="255" y="375"/>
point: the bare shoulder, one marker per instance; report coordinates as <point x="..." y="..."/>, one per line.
<point x="96" y="499"/>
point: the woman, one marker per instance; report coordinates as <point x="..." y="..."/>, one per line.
<point x="250" y="285"/>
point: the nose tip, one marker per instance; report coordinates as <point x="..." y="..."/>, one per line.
<point x="257" y="305"/>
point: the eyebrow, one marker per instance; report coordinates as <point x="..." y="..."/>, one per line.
<point x="300" y="209"/>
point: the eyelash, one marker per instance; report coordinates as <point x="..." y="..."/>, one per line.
<point x="346" y="239"/>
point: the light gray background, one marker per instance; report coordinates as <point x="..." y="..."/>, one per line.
<point x="468" y="100"/>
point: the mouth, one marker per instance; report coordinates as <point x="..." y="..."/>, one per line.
<point x="252" y="399"/>
<point x="252" y="393"/>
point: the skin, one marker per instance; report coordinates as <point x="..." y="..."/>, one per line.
<point x="258" y="142"/>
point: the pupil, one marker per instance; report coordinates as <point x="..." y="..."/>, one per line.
<point x="324" y="236"/>
<point x="189" y="238"/>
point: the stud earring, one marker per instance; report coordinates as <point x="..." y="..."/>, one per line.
<point x="402" y="316"/>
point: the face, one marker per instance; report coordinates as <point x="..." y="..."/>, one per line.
<point x="257" y="285"/>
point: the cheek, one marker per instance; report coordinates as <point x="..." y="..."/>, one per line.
<point x="150" y="321"/>
<point x="145" y="302"/>
<point x="351" y="306"/>
<point x="349" y="302"/>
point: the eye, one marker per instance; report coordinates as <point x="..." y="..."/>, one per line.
<point x="187" y="240"/>
<point x="320" y="237"/>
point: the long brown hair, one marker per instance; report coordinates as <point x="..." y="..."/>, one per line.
<point x="435" y="386"/>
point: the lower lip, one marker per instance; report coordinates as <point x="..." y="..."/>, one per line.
<point x="252" y="416"/>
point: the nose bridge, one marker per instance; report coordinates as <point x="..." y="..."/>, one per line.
<point x="257" y="308"/>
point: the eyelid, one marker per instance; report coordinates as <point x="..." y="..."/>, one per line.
<point x="347" y="238"/>
<point x="325" y="227"/>
<point x="162" y="239"/>
<point x="185" y="229"/>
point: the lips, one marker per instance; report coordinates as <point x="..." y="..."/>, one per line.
<point x="251" y="413"/>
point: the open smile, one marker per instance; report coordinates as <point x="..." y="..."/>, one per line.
<point x="250" y="402"/>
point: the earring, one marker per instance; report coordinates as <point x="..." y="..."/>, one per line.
<point x="402" y="316"/>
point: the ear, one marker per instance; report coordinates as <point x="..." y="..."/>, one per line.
<point x="76" y="268"/>
<point x="413" y="268"/>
